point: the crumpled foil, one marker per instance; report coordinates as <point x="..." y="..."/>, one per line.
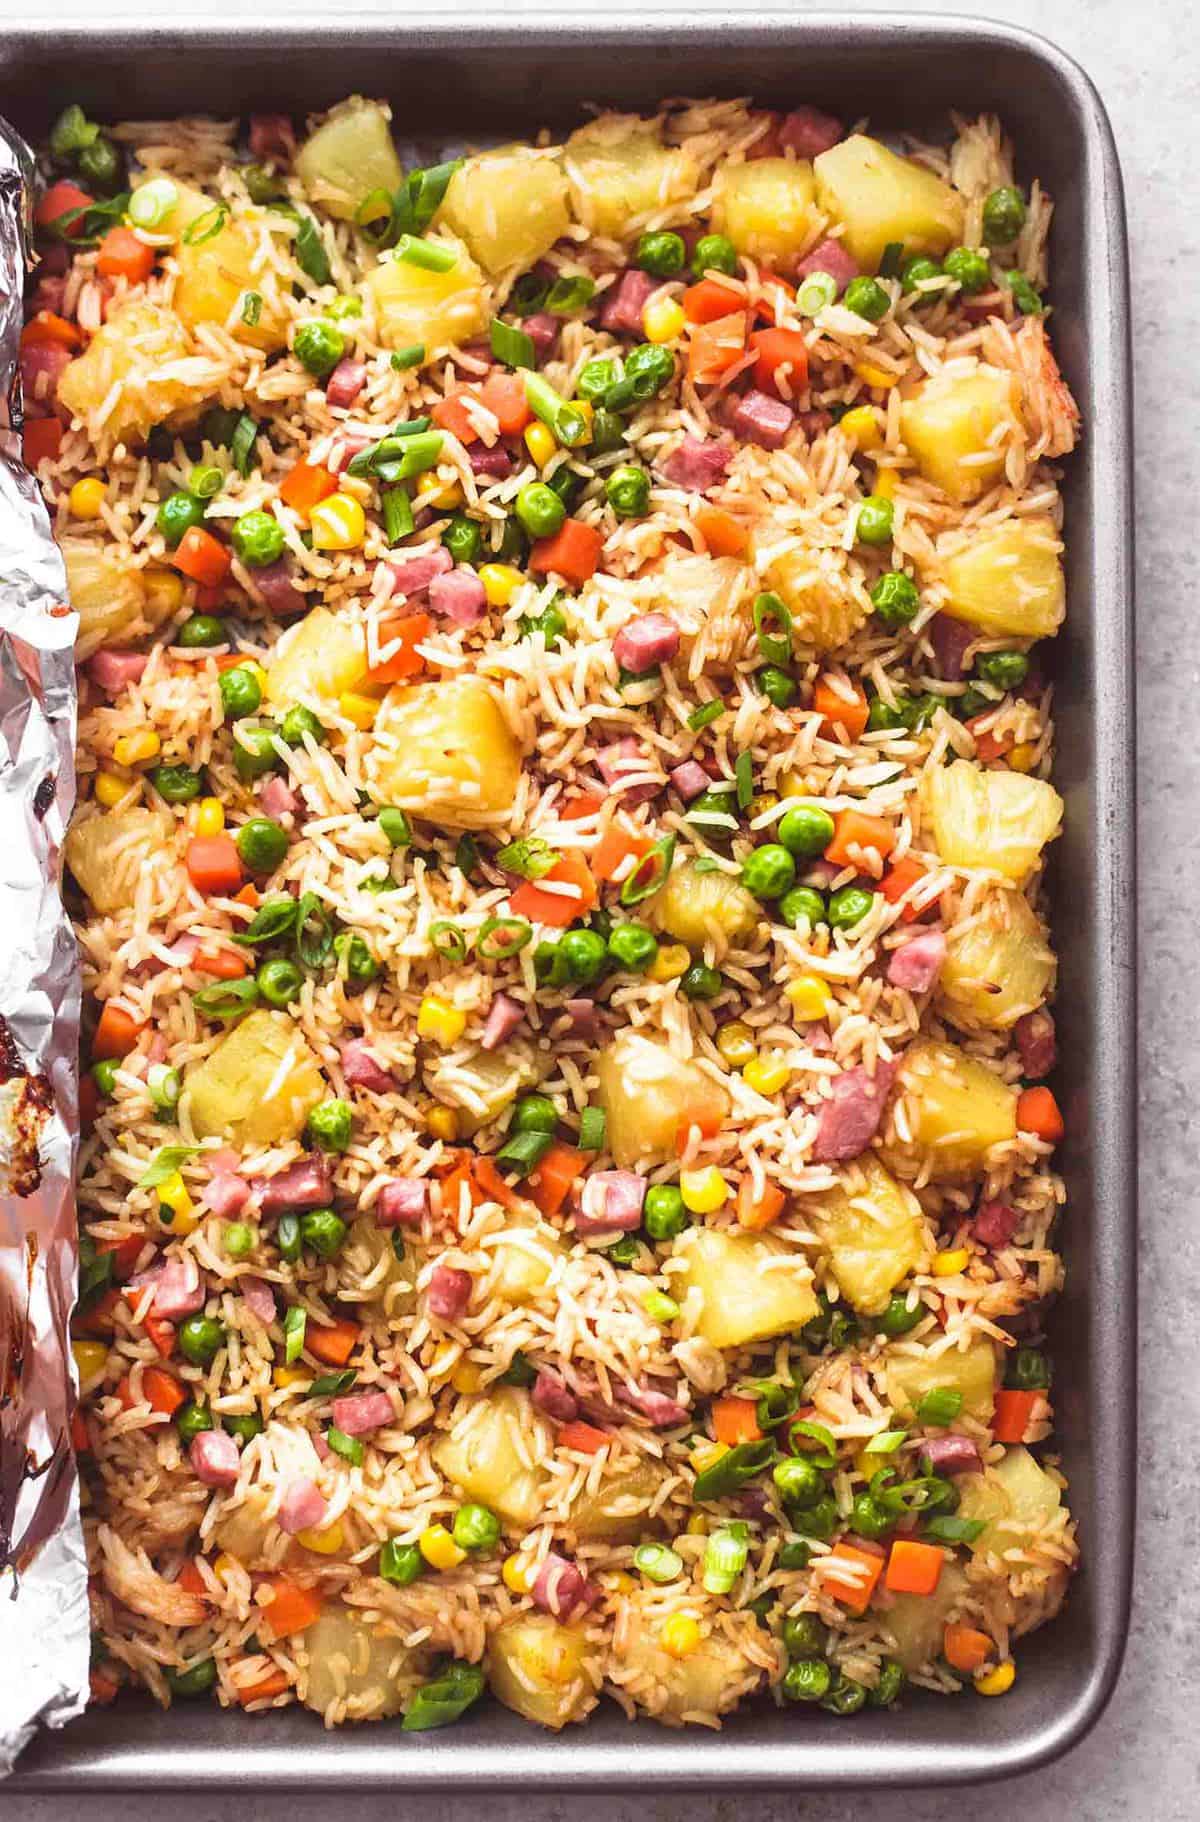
<point x="43" y="1568"/>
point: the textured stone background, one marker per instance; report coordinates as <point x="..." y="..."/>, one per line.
<point x="1142" y="1760"/>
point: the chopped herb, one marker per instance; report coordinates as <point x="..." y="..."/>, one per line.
<point x="531" y="857"/>
<point x="295" y="1322"/>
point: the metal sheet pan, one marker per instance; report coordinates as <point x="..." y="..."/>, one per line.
<point x="456" y="77"/>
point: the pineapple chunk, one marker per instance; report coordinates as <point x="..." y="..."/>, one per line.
<point x="215" y="276"/>
<point x="445" y="750"/>
<point x="110" y="854"/>
<point x="522" y="1265"/>
<point x="350" y="155"/>
<point x="509" y="206"/>
<point x="481" y="1087"/>
<point x="140" y="370"/>
<point x="258" y="1086"/>
<point x="996" y="819"/>
<point x="825" y="610"/>
<point x="352" y="1659"/>
<point x="766" y="207"/>
<point x="709" y="1681"/>
<point x="615" y="1512"/>
<point x="1015" y="1499"/>
<point x="879" y="198"/>
<point x="244" y="1530"/>
<point x="437" y="309"/>
<point x="1008" y="583"/>
<point x="492" y="1452"/>
<point x="699" y="908"/>
<point x="874" y="1232"/>
<point x="958" y="426"/>
<point x="368" y="1267"/>
<point x="647" y="1094"/>
<point x="620" y="171"/>
<point x="751" y="1285"/>
<point x="536" y="1667"/>
<point x="113" y="599"/>
<point x="971" y="1371"/>
<point x="998" y="964"/>
<point x="956" y="1110"/>
<point x="316" y="661"/>
<point x="916" y="1621"/>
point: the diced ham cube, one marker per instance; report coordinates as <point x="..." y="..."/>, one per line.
<point x="561" y="1588"/>
<point x="278" y="588"/>
<point x="916" y="965"/>
<point x="495" y="463"/>
<point x="42" y="366"/>
<point x="449" y="1292"/>
<point x="829" y="256"/>
<point x="277" y="797"/>
<point x="650" y="640"/>
<point x="302" y="1508"/>
<point x="308" y="1184"/>
<point x="690" y="779"/>
<point x="626" y="759"/>
<point x="226" y="1193"/>
<point x="696" y="464"/>
<point x="763" y="420"/>
<point x="359" y="1413"/>
<point x="550" y="1394"/>
<point x="260" y="1299"/>
<point x="611" y="1203"/>
<point x="807" y="132"/>
<point x="112" y="671"/>
<point x="345" y="383"/>
<point x="662" y="1411"/>
<point x="582" y="1014"/>
<point x="363" y="1070"/>
<point x="1037" y="1043"/>
<point x="505" y="1016"/>
<point x="952" y="1454"/>
<point x="402" y="1202"/>
<point x="412" y="575"/>
<point x="951" y="641"/>
<point x="849" y="1119"/>
<point x="995" y="1224"/>
<point x="272" y="138"/>
<point x="178" y="1290"/>
<point x="213" y="1458"/>
<point x="542" y="331"/>
<point x="621" y="311"/>
<point x="459" y="596"/>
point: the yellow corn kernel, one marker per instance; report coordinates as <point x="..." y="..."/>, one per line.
<point x="703" y="1191"/>
<point x="439" y="1548"/>
<point x="108" y="789"/>
<point x="541" y="443"/>
<point x="466" y="1378"/>
<point x="210" y="816"/>
<point x="886" y="482"/>
<point x="439" y="1020"/>
<point x="663" y="319"/>
<point x="441" y="1123"/>
<point x="697" y="1525"/>
<point x="436" y="492"/>
<point x="949" y="1264"/>
<point x="735" y="1042"/>
<point x="290" y="1375"/>
<point x="876" y="376"/>
<point x="132" y="749"/>
<point x="173" y="1196"/>
<point x="327" y="1542"/>
<point x="862" y="427"/>
<point x="767" y="1074"/>
<point x="226" y="1565"/>
<point x="500" y="583"/>
<point x="446" y="1356"/>
<point x="517" y="1575"/>
<point x="1023" y="758"/>
<point x="361" y="710"/>
<point x="620" y="1583"/>
<point x="680" y="1635"/>
<point x="766" y="800"/>
<point x="164" y="592"/>
<point x="998" y="1681"/>
<point x="809" y="997"/>
<point x="338" y="523"/>
<point x="707" y="1454"/>
<point x="86" y="498"/>
<point x="671" y="961"/>
<point x="91" y="1358"/>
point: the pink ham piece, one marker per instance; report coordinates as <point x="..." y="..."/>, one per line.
<point x="402" y="1202"/>
<point x="42" y="366"/>
<point x="1037" y="1043"/>
<point x="345" y="383"/>
<point x="302" y="1508"/>
<point x="112" y="671"/>
<point x="505" y="1016"/>
<point x="763" y="420"/>
<point x="649" y="640"/>
<point x="622" y="760"/>
<point x="308" y="1184"/>
<point x="561" y="1588"/>
<point x="495" y="463"/>
<point x="51" y="294"/>
<point x="178" y="1291"/>
<point x="690" y="779"/>
<point x="849" y="1119"/>
<point x="226" y="1193"/>
<point x="272" y="137"/>
<point x="320" y="1446"/>
<point x="277" y="586"/>
<point x="582" y="1014"/>
<point x="951" y="641"/>
<point x="550" y="1394"/>
<point x="807" y="132"/>
<point x="829" y="256"/>
<point x="412" y="575"/>
<point x="362" y="1070"/>
<point x="459" y="596"/>
<point x="995" y="1224"/>
<point x="916" y="965"/>
<point x="611" y="1203"/>
<point x="278" y="798"/>
<point x="696" y="464"/>
<point x="952" y="1455"/>
<point x="449" y="1292"/>
<point x="344" y="449"/>
<point x="260" y="1299"/>
<point x="621" y="312"/>
<point x="213" y="1458"/>
<point x="542" y="331"/>
<point x="661" y="1410"/>
<point x="361" y="1412"/>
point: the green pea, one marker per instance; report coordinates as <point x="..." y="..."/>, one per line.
<point x="663" y="1213"/>
<point x="916" y="271"/>
<point x="400" y="1563"/>
<point x="777" y="686"/>
<point x="701" y="982"/>
<point x="803" y="904"/>
<point x="869" y="1518"/>
<point x="807" y="1680"/>
<point x="714" y="253"/>
<point x="463" y="539"/>
<point x="769" y="871"/>
<point x="262" y="844"/>
<point x="199" y="1339"/>
<point x="176" y="783"/>
<point x="1026" y="296"/>
<point x="535" y="1113"/>
<point x="344" y="309"/>
<point x="608" y="432"/>
<point x="71" y="132"/>
<point x="298" y="722"/>
<point x="287" y="1235"/>
<point x="550" y="623"/>
<point x="867" y="298"/>
<point x="1007" y="670"/>
<point x="279" y="982"/>
<point x="475" y="1528"/>
<point x="804" y="1636"/>
<point x="806" y="831"/>
<point x="585" y="954"/>
<point x="191" y="1420"/>
<point x="897" y="1318"/>
<point x="969" y="269"/>
<point x="648" y="367"/>
<point x="100" y="163"/>
<point x="883" y="718"/>
<point x="848" y="906"/>
<point x="873" y="526"/>
<point x="396" y="827"/>
<point x="319" y="347"/>
<point x="819" y="1520"/>
<point x="1003" y="216"/>
<point x="257" y="537"/>
<point x="245" y="1427"/>
<point x="358" y="965"/>
<point x="846" y="1696"/>
<point x="795" y="1554"/>
<point x="1030" y="1371"/>
<point x="329" y="1125"/>
<point x="104" y="1074"/>
<point x="197" y="1681"/>
<point x="891" y="1682"/>
<point x="261" y="184"/>
<point x="178" y="513"/>
<point x="895" y="598"/>
<point x="595" y="378"/>
<point x="632" y="946"/>
<point x="627" y="490"/>
<point x="540" y="510"/>
<point x="200" y="631"/>
<point x="663" y="255"/>
<point x="241" y="692"/>
<point x="239" y="1239"/>
<point x="254" y="752"/>
<point x="799" y="1482"/>
<point x="324" y="1231"/>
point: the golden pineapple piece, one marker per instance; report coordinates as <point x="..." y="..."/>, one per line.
<point x="367" y="1264"/>
<point x="751" y="1285"/>
<point x="1009" y="582"/>
<point x="258" y="1086"/>
<point x="480" y="1087"/>
<point x="445" y="750"/>
<point x="616" y="1511"/>
<point x="114" y="600"/>
<point x="216" y="274"/>
<point x="110" y="854"/>
<point x="316" y="661"/>
<point x="710" y="1680"/>
<point x="996" y="819"/>
<point x="523" y="1260"/>
<point x="1015" y="1498"/>
<point x="137" y="371"/>
<point x="766" y="207"/>
<point x="648" y="1093"/>
<point x="435" y="309"/>
<point x="536" y="1667"/>
<point x="911" y="1373"/>
<point x="509" y="206"/>
<point x="879" y="198"/>
<point x="357" y="1660"/>
<point x="348" y="157"/>
<point x="916" y="1622"/>
<point x="875" y="1233"/>
<point x="998" y="964"/>
<point x="826" y="609"/>
<point x="958" y="426"/>
<point x="699" y="908"/>
<point x="956" y="1110"/>
<point x="492" y="1452"/>
<point x="620" y="170"/>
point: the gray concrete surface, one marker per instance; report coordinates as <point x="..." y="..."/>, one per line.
<point x="1143" y="1760"/>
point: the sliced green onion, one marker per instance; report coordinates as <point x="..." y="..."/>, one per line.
<point x="658" y="1563"/>
<point x="659" y="1307"/>
<point x="448" y="940"/>
<point x="150" y="205"/>
<point x="420" y="195"/>
<point x="940" y="1406"/>
<point x="206" y="226"/>
<point x="466" y="855"/>
<point x="375" y="215"/>
<point x="707" y="863"/>
<point x="891" y="260"/>
<point x="593" y="1129"/>
<point x="743" y="778"/>
<point x="403" y="358"/>
<point x="825" y="1453"/>
<point x="502" y="937"/>
<point x="226" y="1001"/>
<point x="947" y="1530"/>
<point x="411" y="250"/>
<point x="251" y="308"/>
<point x="706" y="714"/>
<point x="777" y="646"/>
<point x="568" y="423"/>
<point x="331" y="1385"/>
<point x="512" y="345"/>
<point x="725" y="1557"/>
<point x="734" y="1469"/>
<point x="524" y="1151"/>
<point x="348" y="1447"/>
<point x="165" y="1163"/>
<point x="415" y="455"/>
<point x="309" y="249"/>
<point x="241" y="444"/>
<point x="531" y="857"/>
<point x="818" y="291"/>
<point x="295" y="1322"/>
<point x="886" y="1443"/>
<point x="397" y="514"/>
<point x="165" y="1085"/>
<point x="205" y="481"/>
<point x="442" y="1701"/>
<point x="314" y="932"/>
<point x="651" y="872"/>
<point x="567" y="294"/>
<point x="275" y="917"/>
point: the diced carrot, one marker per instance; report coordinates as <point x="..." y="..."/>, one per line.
<point x="1038" y="1112"/>
<point x="333" y="1343"/>
<point x="305" y="485"/>
<point x="161" y="1333"/>
<point x="41" y="440"/>
<point x="162" y="1391"/>
<point x="852" y="829"/>
<point x="550" y="1180"/>
<point x="224" y="661"/>
<point x="116" y="1033"/>
<point x="584" y="1438"/>
<point x="901" y="878"/>
<point x="865" y="1570"/>
<point x="125" y="1253"/>
<point x="125" y="1393"/>
<point x="762" y="1210"/>
<point x="706" y="1115"/>
<point x="81" y="1442"/>
<point x="292" y="1608"/>
<point x="46" y="327"/>
<point x="966" y="1649"/>
<point x="248" y="896"/>
<point x="735" y="1420"/>
<point x="914" y="1568"/>
<point x="214" y="865"/>
<point x="724" y="535"/>
<point x="223" y="964"/>
<point x="586" y="804"/>
<point x="122" y="255"/>
<point x="492" y="1185"/>
<point x="838" y="710"/>
<point x="460" y="1176"/>
<point x="782" y="363"/>
<point x="616" y="845"/>
<point x="451" y="414"/>
<point x="98" y="1318"/>
<point x="1013" y="1413"/>
<point x="988" y="744"/>
<point x="270" y="1683"/>
<point x="715" y="348"/>
<point x="572" y="553"/>
<point x="532" y="900"/>
<point x="201" y="558"/>
<point x="406" y="660"/>
<point x="191" y="1580"/>
<point x="59" y="200"/>
<point x="710" y="300"/>
<point x="504" y="396"/>
<point x="103" y="1687"/>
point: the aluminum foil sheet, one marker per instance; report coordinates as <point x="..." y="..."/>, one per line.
<point x="43" y="1569"/>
